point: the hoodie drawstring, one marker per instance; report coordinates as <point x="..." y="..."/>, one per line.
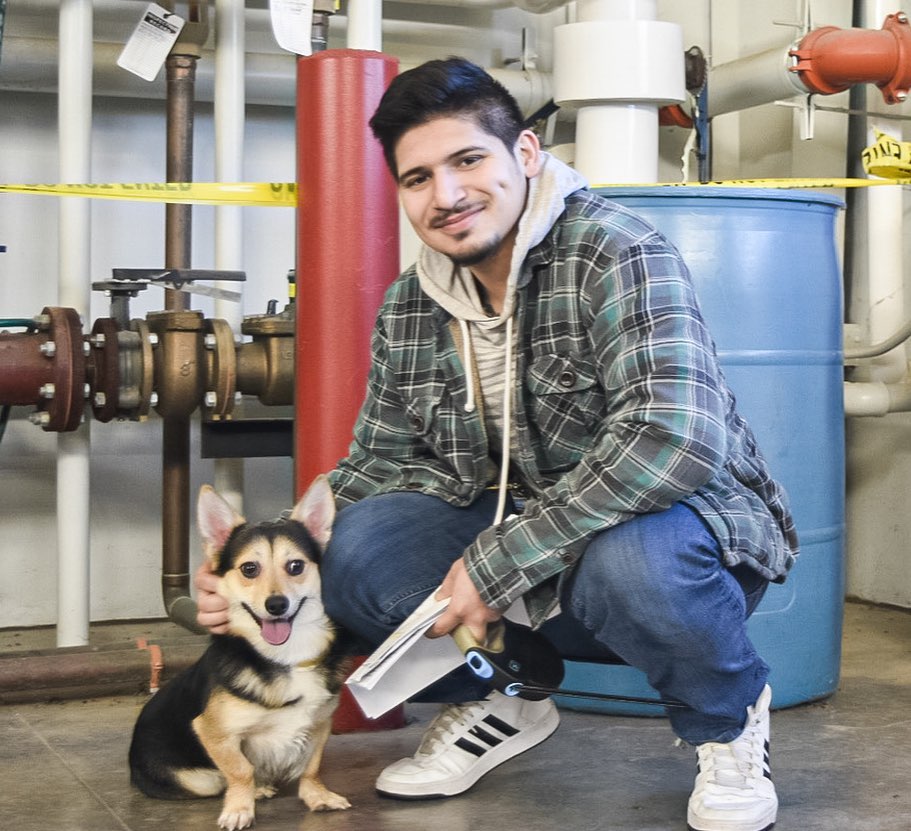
<point x="506" y="430"/>
<point x="468" y="361"/>
<point x="507" y="426"/>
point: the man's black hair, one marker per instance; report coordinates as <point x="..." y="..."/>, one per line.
<point x="440" y="88"/>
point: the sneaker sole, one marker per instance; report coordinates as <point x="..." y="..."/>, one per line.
<point x="495" y="757"/>
<point x="768" y="827"/>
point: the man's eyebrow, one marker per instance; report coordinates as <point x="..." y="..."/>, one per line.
<point x="421" y="168"/>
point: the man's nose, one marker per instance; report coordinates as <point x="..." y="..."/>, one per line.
<point x="448" y="190"/>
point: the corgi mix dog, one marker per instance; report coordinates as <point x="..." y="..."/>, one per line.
<point x="255" y="710"/>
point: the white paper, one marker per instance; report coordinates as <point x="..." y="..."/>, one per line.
<point x="292" y="22"/>
<point x="148" y="47"/>
<point x="385" y="680"/>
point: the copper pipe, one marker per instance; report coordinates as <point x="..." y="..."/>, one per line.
<point x="175" y="483"/>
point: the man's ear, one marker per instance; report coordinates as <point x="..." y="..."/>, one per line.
<point x="316" y="510"/>
<point x="528" y="153"/>
<point x="216" y="520"/>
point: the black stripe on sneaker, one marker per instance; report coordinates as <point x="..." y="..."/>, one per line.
<point x="470" y="747"/>
<point x="480" y="733"/>
<point x="500" y="725"/>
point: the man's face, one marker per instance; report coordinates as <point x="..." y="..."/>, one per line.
<point x="461" y="189"/>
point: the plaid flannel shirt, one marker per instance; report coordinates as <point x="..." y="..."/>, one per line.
<point x="620" y="408"/>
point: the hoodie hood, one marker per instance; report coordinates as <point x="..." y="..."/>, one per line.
<point x="453" y="286"/>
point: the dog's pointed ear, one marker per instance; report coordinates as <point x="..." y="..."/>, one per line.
<point x="216" y="520"/>
<point x="316" y="510"/>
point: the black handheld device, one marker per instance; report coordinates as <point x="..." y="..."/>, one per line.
<point x="512" y="658"/>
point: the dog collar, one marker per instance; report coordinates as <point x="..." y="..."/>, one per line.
<point x="313" y="662"/>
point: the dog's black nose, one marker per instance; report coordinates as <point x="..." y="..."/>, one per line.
<point x="277" y="605"/>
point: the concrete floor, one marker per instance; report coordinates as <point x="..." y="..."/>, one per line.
<point x="839" y="764"/>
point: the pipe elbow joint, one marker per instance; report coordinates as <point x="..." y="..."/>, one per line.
<point x="829" y="60"/>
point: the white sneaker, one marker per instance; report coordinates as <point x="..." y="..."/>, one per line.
<point x="734" y="789"/>
<point x="464" y="742"/>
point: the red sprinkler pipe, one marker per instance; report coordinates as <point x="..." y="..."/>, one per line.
<point x="831" y="60"/>
<point x="347" y="247"/>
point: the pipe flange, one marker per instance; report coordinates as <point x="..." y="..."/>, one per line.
<point x="65" y="408"/>
<point x="221" y="365"/>
<point x="143" y="368"/>
<point x="104" y="359"/>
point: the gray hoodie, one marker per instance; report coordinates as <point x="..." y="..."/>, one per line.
<point x="486" y="341"/>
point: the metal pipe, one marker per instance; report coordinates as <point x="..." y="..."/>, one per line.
<point x="175" y="467"/>
<point x="338" y="90"/>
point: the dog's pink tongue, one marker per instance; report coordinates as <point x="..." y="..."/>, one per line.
<point x="276" y="632"/>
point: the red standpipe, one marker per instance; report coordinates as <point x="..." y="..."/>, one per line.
<point x="347" y="248"/>
<point x="347" y="254"/>
<point x="831" y="60"/>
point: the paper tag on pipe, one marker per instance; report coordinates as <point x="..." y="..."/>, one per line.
<point x="148" y="47"/>
<point x="292" y="22"/>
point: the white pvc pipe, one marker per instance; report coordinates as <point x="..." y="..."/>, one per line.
<point x="616" y="65"/>
<point x="626" y="147"/>
<point x="74" y="290"/>
<point x="885" y="262"/>
<point x="229" y="118"/>
<point x="365" y="25"/>
<point x="885" y="248"/>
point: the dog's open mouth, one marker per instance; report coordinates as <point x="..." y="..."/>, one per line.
<point x="275" y="631"/>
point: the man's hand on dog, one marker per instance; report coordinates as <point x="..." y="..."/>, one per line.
<point x="465" y="605"/>
<point x="211" y="607"/>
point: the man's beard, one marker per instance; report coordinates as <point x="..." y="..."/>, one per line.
<point x="479" y="254"/>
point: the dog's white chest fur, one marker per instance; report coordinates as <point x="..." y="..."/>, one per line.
<point x="277" y="740"/>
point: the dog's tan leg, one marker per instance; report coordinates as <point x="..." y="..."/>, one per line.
<point x="223" y="747"/>
<point x="311" y="790"/>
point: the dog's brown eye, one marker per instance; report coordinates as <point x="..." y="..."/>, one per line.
<point x="295" y="567"/>
<point x="249" y="569"/>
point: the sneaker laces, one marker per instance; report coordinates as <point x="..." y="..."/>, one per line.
<point x="735" y="764"/>
<point x="452" y="715"/>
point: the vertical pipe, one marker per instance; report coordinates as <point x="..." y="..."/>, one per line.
<point x="347" y="252"/>
<point x="175" y="484"/>
<point x="885" y="247"/>
<point x="616" y="64"/>
<point x="230" y="104"/>
<point x="73" y="497"/>
<point x="365" y="25"/>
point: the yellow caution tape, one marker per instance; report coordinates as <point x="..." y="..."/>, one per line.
<point x="255" y="194"/>
<point x="888" y="157"/>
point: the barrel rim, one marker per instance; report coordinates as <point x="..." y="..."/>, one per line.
<point x="722" y="193"/>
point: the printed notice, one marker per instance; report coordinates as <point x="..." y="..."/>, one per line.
<point x="147" y="49"/>
<point x="292" y="22"/>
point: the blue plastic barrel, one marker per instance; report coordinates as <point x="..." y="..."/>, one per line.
<point x="767" y="275"/>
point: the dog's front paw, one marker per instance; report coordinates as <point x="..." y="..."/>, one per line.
<point x="236" y="816"/>
<point x="317" y="797"/>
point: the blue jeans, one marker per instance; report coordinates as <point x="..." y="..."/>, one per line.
<point x="651" y="591"/>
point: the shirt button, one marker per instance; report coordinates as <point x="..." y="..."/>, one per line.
<point x="418" y="423"/>
<point x="567" y="378"/>
<point x="567" y="557"/>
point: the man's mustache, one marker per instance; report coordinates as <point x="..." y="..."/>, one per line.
<point x="442" y="217"/>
